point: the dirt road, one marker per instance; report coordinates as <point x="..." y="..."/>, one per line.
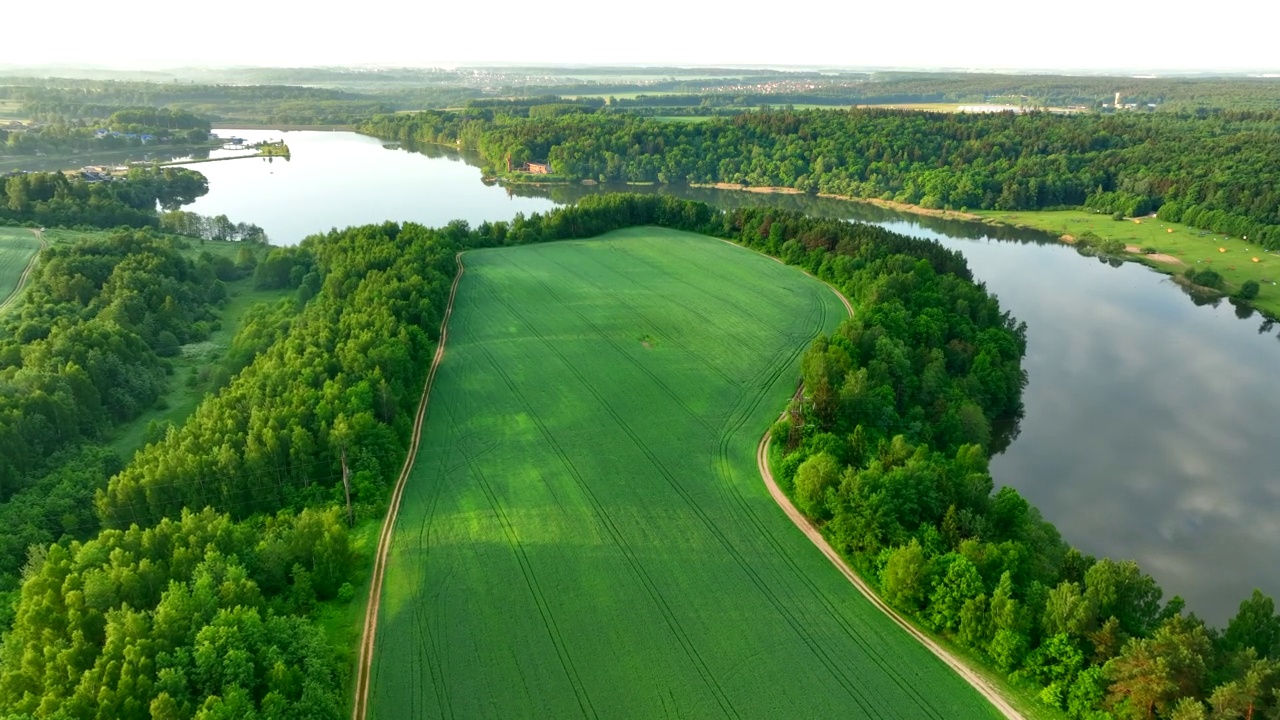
<point x="364" y="662"/>
<point x="978" y="682"/>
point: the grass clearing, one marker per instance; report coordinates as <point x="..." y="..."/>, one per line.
<point x="586" y="533"/>
<point x="17" y="248"/>
<point x="181" y="399"/>
<point x="1190" y="246"/>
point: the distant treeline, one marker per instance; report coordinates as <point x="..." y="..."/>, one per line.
<point x="282" y="104"/>
<point x="1128" y="162"/>
<point x="179" y="613"/>
<point x="753" y="88"/>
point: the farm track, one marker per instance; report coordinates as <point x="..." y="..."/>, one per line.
<point x="365" y="657"/>
<point x="26" y="273"/>
<point x="815" y="536"/>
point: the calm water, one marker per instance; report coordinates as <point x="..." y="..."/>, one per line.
<point x="336" y="179"/>
<point x="1150" y="421"/>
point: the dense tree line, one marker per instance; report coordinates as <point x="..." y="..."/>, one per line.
<point x="1114" y="163"/>
<point x="52" y="199"/>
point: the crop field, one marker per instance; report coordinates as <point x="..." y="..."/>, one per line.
<point x="585" y="532"/>
<point x="17" y="247"/>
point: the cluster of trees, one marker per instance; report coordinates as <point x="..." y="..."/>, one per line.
<point x="52" y="199"/>
<point x="218" y="227"/>
<point x="58" y="134"/>
<point x="58" y="200"/>
<point x="195" y="617"/>
<point x="1004" y="161"/>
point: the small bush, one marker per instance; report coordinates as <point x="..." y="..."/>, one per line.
<point x="346" y="592"/>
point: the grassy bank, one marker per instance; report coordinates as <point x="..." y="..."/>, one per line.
<point x="1176" y="247"/>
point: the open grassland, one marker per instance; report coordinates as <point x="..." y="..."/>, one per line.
<point x="18" y="247"/>
<point x="1175" y="251"/>
<point x="585" y="532"/>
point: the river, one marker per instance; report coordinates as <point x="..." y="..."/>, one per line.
<point x="1150" y="420"/>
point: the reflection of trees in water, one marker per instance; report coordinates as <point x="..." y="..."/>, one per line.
<point x="1004" y="430"/>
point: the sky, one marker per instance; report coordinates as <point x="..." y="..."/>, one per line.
<point x="1230" y="35"/>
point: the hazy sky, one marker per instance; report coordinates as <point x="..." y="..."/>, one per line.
<point x="1083" y="34"/>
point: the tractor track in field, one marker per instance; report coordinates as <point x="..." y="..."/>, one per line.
<point x="966" y="673"/>
<point x="364" y="662"/>
<point x="26" y="273"/>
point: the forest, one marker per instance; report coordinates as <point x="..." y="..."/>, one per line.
<point x="1130" y="163"/>
<point x="52" y="199"/>
<point x="221" y="540"/>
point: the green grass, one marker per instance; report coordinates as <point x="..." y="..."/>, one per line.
<point x="342" y="621"/>
<point x="585" y="531"/>
<point x="17" y="247"/>
<point x="1190" y="246"/>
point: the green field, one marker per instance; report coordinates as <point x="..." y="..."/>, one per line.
<point x="17" y="247"/>
<point x="1187" y="245"/>
<point x="585" y="532"/>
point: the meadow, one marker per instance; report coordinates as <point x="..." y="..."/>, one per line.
<point x="585" y="531"/>
<point x="17" y="247"/>
<point x="1184" y="247"/>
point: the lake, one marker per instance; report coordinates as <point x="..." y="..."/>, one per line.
<point x="1150" y="420"/>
